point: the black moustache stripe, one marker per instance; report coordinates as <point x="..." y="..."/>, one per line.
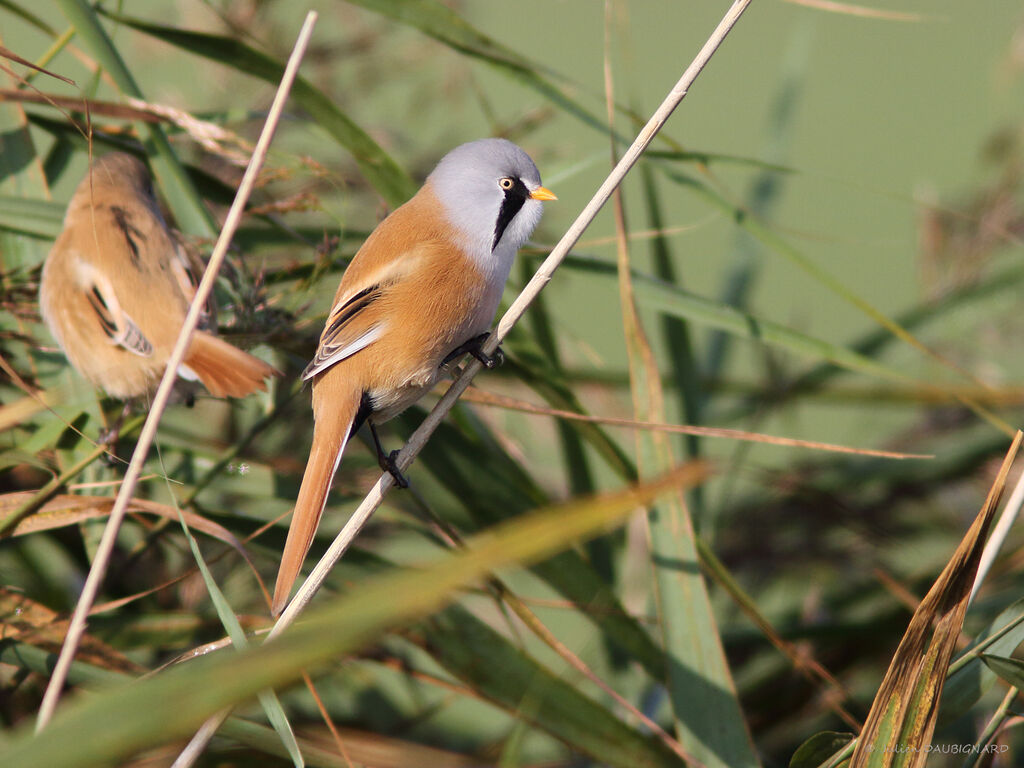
<point x="510" y="206"/>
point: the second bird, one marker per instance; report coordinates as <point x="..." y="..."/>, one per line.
<point x="115" y="291"/>
<point x="423" y="288"/>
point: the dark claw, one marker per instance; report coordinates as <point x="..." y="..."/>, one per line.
<point x="489" y="362"/>
<point x="387" y="460"/>
<point x="390" y="465"/>
<point x="474" y="347"/>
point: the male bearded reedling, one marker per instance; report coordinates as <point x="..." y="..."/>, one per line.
<point x="115" y="291"/>
<point x="421" y="291"/>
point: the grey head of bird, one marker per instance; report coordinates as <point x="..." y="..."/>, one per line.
<point x="487" y="189"/>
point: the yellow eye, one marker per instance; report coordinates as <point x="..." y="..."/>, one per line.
<point x="506" y="183"/>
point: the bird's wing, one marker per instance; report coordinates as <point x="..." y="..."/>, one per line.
<point x="357" y="319"/>
<point x="116" y="323"/>
<point x="344" y="336"/>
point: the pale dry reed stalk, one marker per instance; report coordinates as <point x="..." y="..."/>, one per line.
<point x="76" y="628"/>
<point x="541" y="278"/>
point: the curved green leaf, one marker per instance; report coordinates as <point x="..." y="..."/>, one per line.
<point x="1011" y="670"/>
<point x="476" y="654"/>
<point x="969" y="677"/>
<point x="386" y="176"/>
<point x="444" y="25"/>
<point x="672" y="300"/>
<point x="181" y="196"/>
<point x="117" y="723"/>
<point x="819" y="748"/>
<point x="506" y="490"/>
<point x="268" y="699"/>
<point x="34" y="217"/>
<point x="821" y="275"/>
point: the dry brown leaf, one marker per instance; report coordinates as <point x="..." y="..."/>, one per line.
<point x="366" y="748"/>
<point x="103" y="108"/>
<point x="899" y="727"/>
<point x="7" y="53"/>
<point x="62" y="511"/>
<point x="25" y="621"/>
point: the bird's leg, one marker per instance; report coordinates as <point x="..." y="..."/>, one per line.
<point x="474" y="347"/>
<point x="387" y="460"/>
<point x="109" y="435"/>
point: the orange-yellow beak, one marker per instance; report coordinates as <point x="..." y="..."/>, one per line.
<point x="543" y="193"/>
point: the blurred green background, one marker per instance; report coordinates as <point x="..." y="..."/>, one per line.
<point x="881" y="152"/>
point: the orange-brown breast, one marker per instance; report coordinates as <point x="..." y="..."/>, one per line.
<point x="429" y="305"/>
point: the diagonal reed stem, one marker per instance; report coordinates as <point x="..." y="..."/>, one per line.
<point x="76" y="628"/>
<point x="541" y="278"/>
<point x="511" y="317"/>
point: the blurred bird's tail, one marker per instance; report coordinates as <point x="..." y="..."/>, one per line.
<point x="226" y="371"/>
<point x="333" y="427"/>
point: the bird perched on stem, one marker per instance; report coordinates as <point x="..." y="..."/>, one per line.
<point x="421" y="291"/>
<point x="116" y="288"/>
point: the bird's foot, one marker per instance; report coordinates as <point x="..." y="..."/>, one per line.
<point x="109" y="436"/>
<point x="390" y="465"/>
<point x="388" y="461"/>
<point x="490" y="362"/>
<point x="474" y="347"/>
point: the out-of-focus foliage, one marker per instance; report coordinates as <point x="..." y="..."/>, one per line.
<point x="773" y="296"/>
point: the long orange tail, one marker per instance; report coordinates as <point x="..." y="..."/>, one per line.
<point x="226" y="371"/>
<point x="334" y="414"/>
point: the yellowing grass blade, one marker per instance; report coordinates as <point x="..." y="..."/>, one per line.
<point x="108" y="727"/>
<point x="902" y="718"/>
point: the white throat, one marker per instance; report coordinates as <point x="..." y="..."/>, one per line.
<point x="474" y="217"/>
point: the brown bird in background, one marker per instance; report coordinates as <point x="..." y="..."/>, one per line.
<point x="421" y="292"/>
<point x="116" y="288"/>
